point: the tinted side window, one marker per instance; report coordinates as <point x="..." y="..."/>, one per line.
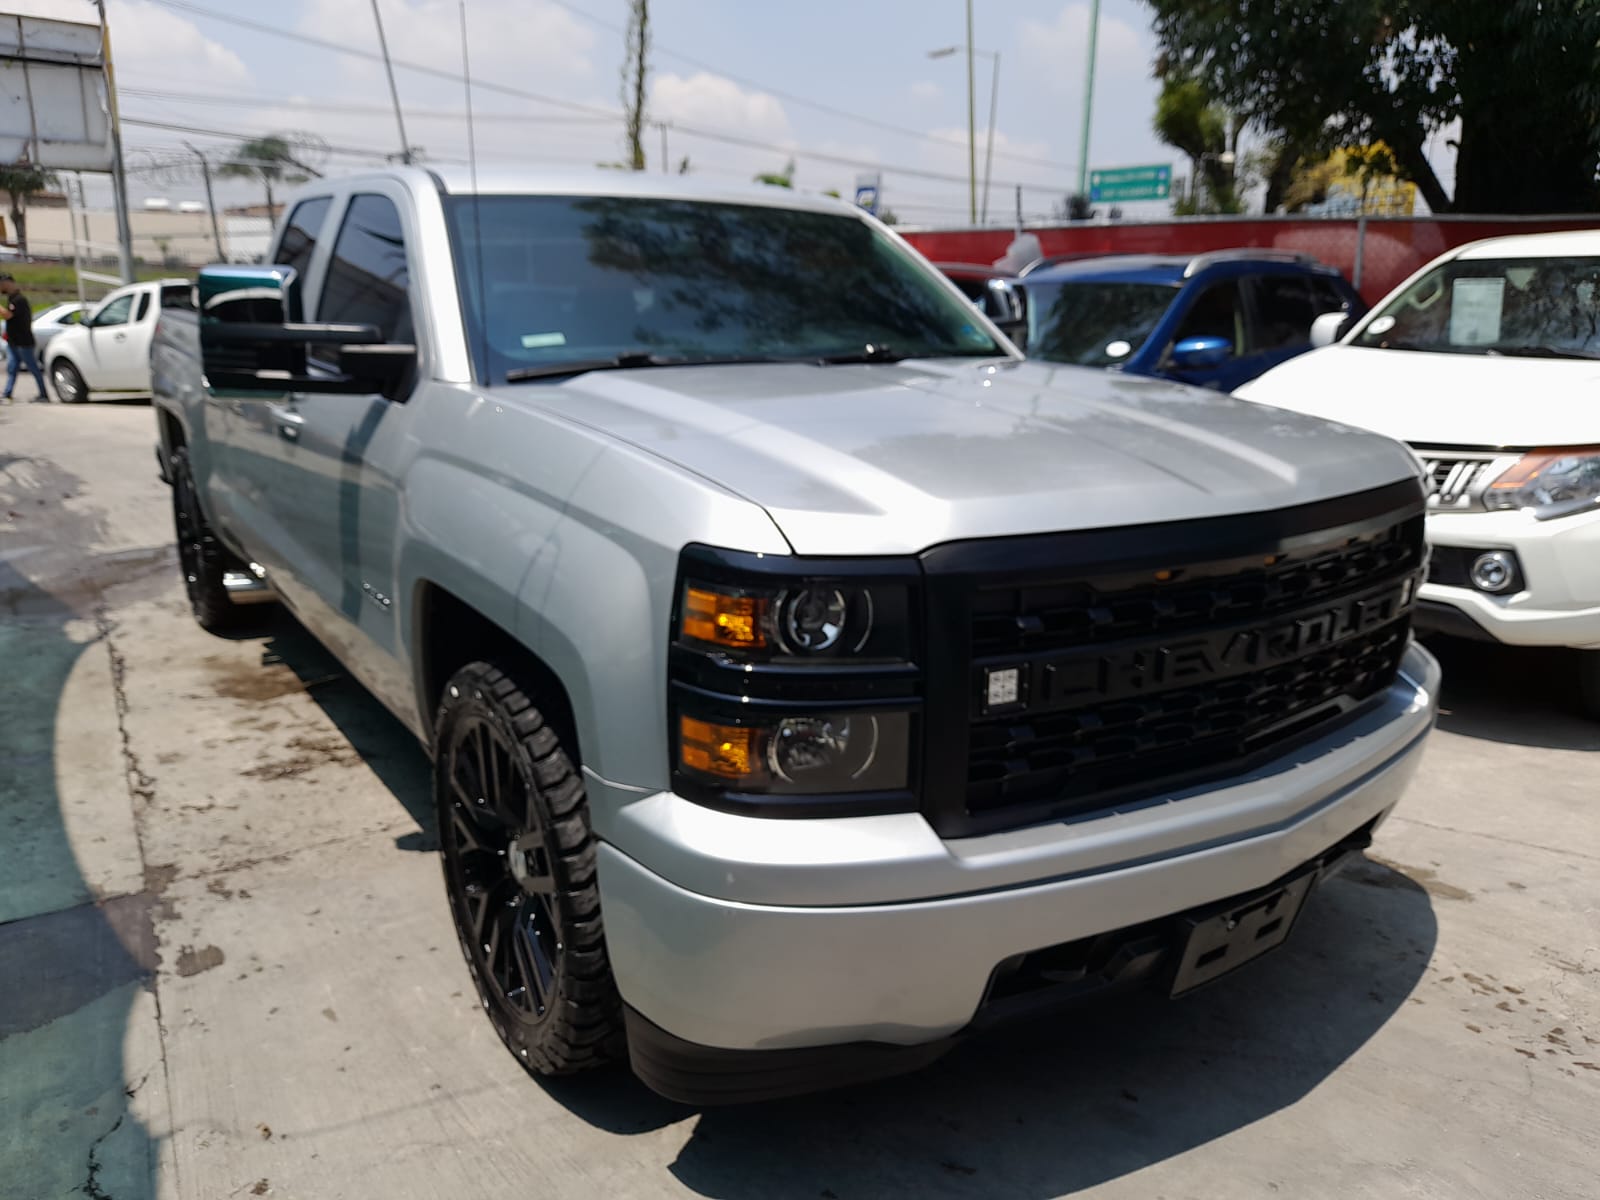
<point x="144" y="307"/>
<point x="1285" y="311"/>
<point x="178" y="297"/>
<point x="1217" y="312"/>
<point x="299" y="239"/>
<point x="367" y="275"/>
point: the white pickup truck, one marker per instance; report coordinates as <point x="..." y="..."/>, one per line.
<point x="108" y="352"/>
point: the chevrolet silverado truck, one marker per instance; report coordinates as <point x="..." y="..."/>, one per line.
<point x="809" y="681"/>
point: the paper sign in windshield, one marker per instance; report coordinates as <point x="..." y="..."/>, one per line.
<point x="1475" y="307"/>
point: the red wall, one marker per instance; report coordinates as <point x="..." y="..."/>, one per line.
<point x="1395" y="246"/>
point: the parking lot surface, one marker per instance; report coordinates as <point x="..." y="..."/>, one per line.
<point x="227" y="968"/>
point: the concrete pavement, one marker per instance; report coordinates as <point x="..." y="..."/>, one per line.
<point x="226" y="966"/>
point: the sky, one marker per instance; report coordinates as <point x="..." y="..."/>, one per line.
<point x="841" y="86"/>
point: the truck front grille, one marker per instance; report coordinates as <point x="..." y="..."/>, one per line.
<point x="1169" y="656"/>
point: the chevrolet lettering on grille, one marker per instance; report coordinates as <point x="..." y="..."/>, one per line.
<point x="1071" y="678"/>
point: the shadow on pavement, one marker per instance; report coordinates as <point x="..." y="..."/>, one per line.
<point x="383" y="743"/>
<point x="72" y="968"/>
<point x="1061" y="1105"/>
<point x="1517" y="695"/>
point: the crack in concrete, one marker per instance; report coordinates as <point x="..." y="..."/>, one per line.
<point x="91" y="1184"/>
<point x="141" y="786"/>
<point x="1495" y="837"/>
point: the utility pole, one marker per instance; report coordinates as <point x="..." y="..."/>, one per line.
<point x="988" y="145"/>
<point x="1088" y="101"/>
<point x="211" y="204"/>
<point x="119" y="181"/>
<point x="972" y="127"/>
<point x="394" y="92"/>
<point x="662" y="126"/>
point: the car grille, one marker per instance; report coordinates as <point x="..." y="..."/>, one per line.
<point x="1137" y="681"/>
<point x="1456" y="479"/>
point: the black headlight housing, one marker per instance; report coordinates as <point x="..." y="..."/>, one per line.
<point x="794" y="688"/>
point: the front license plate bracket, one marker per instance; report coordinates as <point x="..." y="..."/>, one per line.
<point x="1217" y="942"/>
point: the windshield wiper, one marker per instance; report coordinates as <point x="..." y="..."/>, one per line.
<point x="1540" y="351"/>
<point x="626" y="361"/>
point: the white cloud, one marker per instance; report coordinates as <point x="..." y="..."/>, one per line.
<point x="1057" y="49"/>
<point x="511" y="40"/>
<point x="712" y="102"/>
<point x="148" y="40"/>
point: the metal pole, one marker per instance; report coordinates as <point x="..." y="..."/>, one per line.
<point x="972" y="128"/>
<point x="1019" y="208"/>
<point x="394" y="93"/>
<point x="1088" y="101"/>
<point x="74" y="199"/>
<point x="662" y="126"/>
<point x="988" y="146"/>
<point x="211" y="204"/>
<point x="119" y="181"/>
<point x="1361" y="249"/>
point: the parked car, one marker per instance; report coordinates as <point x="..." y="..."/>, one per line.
<point x="808" y="678"/>
<point x="108" y="351"/>
<point x="53" y="320"/>
<point x="994" y="291"/>
<point x="1485" y="362"/>
<point x="1214" y="320"/>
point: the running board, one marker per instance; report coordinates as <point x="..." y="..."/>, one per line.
<point x="249" y="586"/>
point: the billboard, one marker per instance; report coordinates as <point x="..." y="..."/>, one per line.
<point x="54" y="103"/>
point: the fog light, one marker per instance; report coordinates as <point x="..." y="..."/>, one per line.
<point x="1495" y="571"/>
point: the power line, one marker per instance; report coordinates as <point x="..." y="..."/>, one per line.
<point x="238" y="100"/>
<point x="805" y="102"/>
<point x="571" y="105"/>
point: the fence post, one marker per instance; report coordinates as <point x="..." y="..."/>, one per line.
<point x="1019" y="208"/>
<point x="1361" y="247"/>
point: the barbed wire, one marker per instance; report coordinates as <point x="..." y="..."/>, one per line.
<point x="308" y="151"/>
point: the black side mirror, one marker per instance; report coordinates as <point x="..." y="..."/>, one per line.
<point x="253" y="345"/>
<point x="1006" y="304"/>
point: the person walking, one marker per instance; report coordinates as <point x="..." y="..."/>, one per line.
<point x="18" y="316"/>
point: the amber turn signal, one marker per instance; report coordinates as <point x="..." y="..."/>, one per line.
<point x="723" y="751"/>
<point x="724" y="619"/>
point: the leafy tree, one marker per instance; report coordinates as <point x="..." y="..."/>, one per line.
<point x="22" y="181"/>
<point x="1523" y="76"/>
<point x="1188" y="119"/>
<point x="268" y="160"/>
<point x="635" y="73"/>
<point x="783" y="178"/>
<point x="1075" y="207"/>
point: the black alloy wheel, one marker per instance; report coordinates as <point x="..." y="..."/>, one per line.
<point x="519" y="867"/>
<point x="202" y="560"/>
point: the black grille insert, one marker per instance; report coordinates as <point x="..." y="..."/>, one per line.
<point x="1152" y="659"/>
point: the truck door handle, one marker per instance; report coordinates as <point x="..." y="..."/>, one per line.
<point x="121" y="337"/>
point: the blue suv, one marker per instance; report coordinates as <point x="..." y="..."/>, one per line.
<point x="1215" y="320"/>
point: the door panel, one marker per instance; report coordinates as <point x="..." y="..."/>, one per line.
<point x="114" y="346"/>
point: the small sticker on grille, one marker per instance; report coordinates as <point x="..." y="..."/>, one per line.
<point x="1003" y="686"/>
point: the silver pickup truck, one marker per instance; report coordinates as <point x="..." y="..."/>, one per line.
<point x="810" y="681"/>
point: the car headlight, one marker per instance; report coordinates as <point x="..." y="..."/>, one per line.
<point x="1550" y="483"/>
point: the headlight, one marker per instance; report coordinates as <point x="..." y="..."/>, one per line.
<point x="832" y="754"/>
<point x="1551" y="483"/>
<point x="793" y="685"/>
<point x="805" y="619"/>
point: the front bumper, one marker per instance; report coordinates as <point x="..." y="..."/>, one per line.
<point x="1559" y="604"/>
<point x="730" y="974"/>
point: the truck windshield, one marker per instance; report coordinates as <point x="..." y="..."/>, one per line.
<point x="1533" y="307"/>
<point x="1093" y="323"/>
<point x="587" y="278"/>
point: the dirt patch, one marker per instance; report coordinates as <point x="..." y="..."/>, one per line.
<point x="308" y="752"/>
<point x="156" y="881"/>
<point x="1424" y="877"/>
<point x="251" y="682"/>
<point x="193" y="962"/>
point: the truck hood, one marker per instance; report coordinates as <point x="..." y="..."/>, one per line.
<point x="1441" y="399"/>
<point x="892" y="459"/>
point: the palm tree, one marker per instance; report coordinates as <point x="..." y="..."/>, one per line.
<point x="20" y="181"/>
<point x="269" y="160"/>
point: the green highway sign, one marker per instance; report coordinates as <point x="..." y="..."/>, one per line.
<point x="1131" y="183"/>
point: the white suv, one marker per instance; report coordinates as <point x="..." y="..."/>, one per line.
<point x="1487" y="361"/>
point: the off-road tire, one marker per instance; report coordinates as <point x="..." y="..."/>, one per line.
<point x="75" y="390"/>
<point x="202" y="559"/>
<point x="519" y="862"/>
